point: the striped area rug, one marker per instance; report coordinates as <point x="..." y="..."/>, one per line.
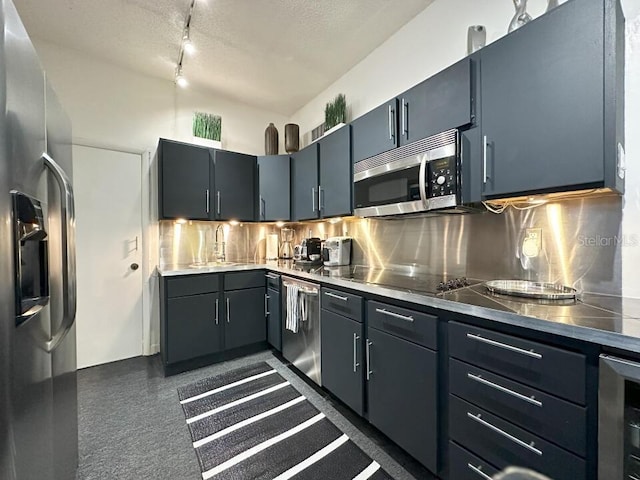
<point x="250" y="423"/>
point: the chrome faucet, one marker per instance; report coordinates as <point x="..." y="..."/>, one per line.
<point x="219" y="246"/>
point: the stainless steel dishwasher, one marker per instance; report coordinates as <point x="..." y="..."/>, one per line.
<point x="301" y="326"/>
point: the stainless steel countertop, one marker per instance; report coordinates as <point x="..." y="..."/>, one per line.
<point x="601" y="319"/>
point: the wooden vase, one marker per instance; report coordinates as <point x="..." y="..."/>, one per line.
<point x="271" y="140"/>
<point x="291" y="137"/>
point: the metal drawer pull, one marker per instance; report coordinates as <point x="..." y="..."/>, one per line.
<point x="339" y="297"/>
<point x="479" y="379"/>
<point x="218" y="195"/>
<point x="390" y="124"/>
<point x="394" y="315"/>
<point x="477" y="470"/>
<point x="484" y="159"/>
<point x="516" y="440"/>
<point x="313" y="198"/>
<point x="529" y="353"/>
<point x="271" y="276"/>
<point x="266" y="305"/>
<point x="356" y="337"/>
<point x="217" y="311"/>
<point x="228" y="311"/>
<point x="207" y="199"/>
<point x="368" y="355"/>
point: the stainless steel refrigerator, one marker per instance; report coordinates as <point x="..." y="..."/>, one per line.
<point x="38" y="390"/>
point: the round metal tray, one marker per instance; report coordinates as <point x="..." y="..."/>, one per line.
<point x="524" y="288"/>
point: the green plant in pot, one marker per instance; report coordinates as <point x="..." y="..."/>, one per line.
<point x="335" y="112"/>
<point x="207" y="126"/>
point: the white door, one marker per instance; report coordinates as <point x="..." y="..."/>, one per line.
<point x="107" y="186"/>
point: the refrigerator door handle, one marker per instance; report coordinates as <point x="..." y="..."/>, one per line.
<point x="68" y="225"/>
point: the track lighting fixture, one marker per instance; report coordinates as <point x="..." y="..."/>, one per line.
<point x="186" y="46"/>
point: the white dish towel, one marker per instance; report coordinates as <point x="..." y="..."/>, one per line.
<point x="293" y="298"/>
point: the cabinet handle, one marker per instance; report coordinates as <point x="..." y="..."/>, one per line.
<point x="228" y="311"/>
<point x="368" y="355"/>
<point x="356" y="337"/>
<point x="218" y="195"/>
<point x="313" y="198"/>
<point x="484" y="159"/>
<point x="339" y="297"/>
<point x="271" y="276"/>
<point x="207" y="199"/>
<point x="511" y="348"/>
<point x="391" y="128"/>
<point x="408" y="318"/>
<point x="530" y="447"/>
<point x="217" y="311"/>
<point x="477" y="470"/>
<point x="405" y="114"/>
<point x="262" y="210"/>
<point x="266" y="305"/>
<point x="479" y="379"/>
<point x="319" y="198"/>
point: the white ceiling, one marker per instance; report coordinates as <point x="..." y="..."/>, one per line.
<point x="273" y="54"/>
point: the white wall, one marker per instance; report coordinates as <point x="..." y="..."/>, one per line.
<point x="121" y="109"/>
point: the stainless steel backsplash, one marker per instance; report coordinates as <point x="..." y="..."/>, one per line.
<point x="580" y="243"/>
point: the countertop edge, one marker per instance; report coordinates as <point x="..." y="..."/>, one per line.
<point x="576" y="332"/>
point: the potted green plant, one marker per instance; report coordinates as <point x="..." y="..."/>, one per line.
<point x="335" y="114"/>
<point x="207" y="129"/>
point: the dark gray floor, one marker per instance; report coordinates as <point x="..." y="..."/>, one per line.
<point x="131" y="425"/>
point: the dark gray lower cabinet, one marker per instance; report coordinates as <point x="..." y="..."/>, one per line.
<point x="343" y="359"/>
<point x="193" y="327"/>
<point x="274" y="319"/>
<point x="244" y="317"/>
<point x="402" y="394"/>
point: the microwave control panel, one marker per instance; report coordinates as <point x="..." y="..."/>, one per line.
<point x="443" y="177"/>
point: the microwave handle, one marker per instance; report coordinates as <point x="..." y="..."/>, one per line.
<point x="422" y="182"/>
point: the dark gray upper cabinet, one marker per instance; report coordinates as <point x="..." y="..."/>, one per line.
<point x="235" y="182"/>
<point x="440" y="103"/>
<point x="274" y="200"/>
<point x="548" y="89"/>
<point x="304" y="183"/>
<point x="336" y="174"/>
<point x="376" y="131"/>
<point x="183" y="177"/>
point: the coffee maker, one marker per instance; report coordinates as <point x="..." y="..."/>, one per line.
<point x="310" y="250"/>
<point x="337" y="251"/>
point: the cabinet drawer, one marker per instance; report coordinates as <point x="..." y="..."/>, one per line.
<point x="344" y="304"/>
<point x="503" y="444"/>
<point x="550" y="369"/>
<point x="273" y="280"/>
<point x="417" y="327"/>
<point x="240" y="280"/>
<point x="192" y="285"/>
<point x="553" y="419"/>
<point x="465" y="466"/>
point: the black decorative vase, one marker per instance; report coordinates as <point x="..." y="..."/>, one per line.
<point x="271" y="140"/>
<point x="291" y="137"/>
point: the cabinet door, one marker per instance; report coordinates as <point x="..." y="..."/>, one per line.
<point x="184" y="181"/>
<point x="274" y="173"/>
<point x="244" y="317"/>
<point x="235" y="186"/>
<point x="403" y="394"/>
<point x="274" y="319"/>
<point x="304" y="183"/>
<point x="440" y="103"/>
<point x="193" y="327"/>
<point x="336" y="174"/>
<point x="375" y="132"/>
<point x="342" y="365"/>
<point x="542" y="103"/>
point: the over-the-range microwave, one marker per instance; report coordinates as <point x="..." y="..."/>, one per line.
<point x="419" y="177"/>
